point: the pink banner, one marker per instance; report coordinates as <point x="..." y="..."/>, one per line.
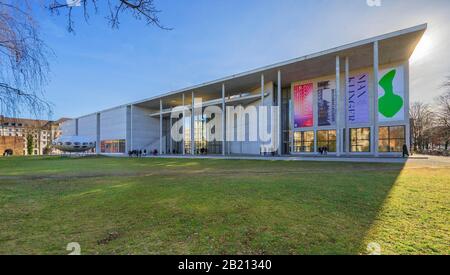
<point x="303" y="105"/>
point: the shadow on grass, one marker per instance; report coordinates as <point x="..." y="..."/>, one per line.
<point x="348" y="198"/>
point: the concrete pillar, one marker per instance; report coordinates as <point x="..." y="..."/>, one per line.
<point x="338" y="105"/>
<point x="375" y="98"/>
<point x="259" y="113"/>
<point x="160" y="127"/>
<point x="184" y="128"/>
<point x="223" y="119"/>
<point x="97" y="143"/>
<point x="192" y="125"/>
<point x="347" y="130"/>
<point x="280" y="128"/>
<point x="170" y="135"/>
<point x="131" y="127"/>
<point x="408" y="122"/>
<point x="76" y="127"/>
<point x="262" y="89"/>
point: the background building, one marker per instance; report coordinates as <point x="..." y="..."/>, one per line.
<point x="352" y="100"/>
<point x="16" y="132"/>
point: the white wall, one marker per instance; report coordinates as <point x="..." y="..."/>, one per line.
<point x="68" y="128"/>
<point x="87" y="126"/>
<point x="113" y="124"/>
<point x="251" y="147"/>
<point x="144" y="129"/>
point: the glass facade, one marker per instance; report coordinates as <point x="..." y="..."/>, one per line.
<point x="327" y="139"/>
<point x="112" y="146"/>
<point x="201" y="136"/>
<point x="304" y="142"/>
<point x="286" y="110"/>
<point x="360" y="140"/>
<point x="391" y="139"/>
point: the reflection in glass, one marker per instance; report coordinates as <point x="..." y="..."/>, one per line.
<point x="327" y="139"/>
<point x="391" y="139"/>
<point x="304" y="142"/>
<point x="360" y="140"/>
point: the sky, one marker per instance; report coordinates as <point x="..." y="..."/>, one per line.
<point x="98" y="67"/>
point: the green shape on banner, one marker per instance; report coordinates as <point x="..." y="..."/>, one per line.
<point x="390" y="103"/>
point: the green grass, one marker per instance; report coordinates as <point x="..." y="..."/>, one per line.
<point x="167" y="206"/>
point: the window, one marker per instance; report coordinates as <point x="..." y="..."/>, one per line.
<point x="360" y="140"/>
<point x="327" y="139"/>
<point x="304" y="142"/>
<point x="391" y="139"/>
<point x="112" y="146"/>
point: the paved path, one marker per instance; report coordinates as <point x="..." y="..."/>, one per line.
<point x="414" y="161"/>
<point x="294" y="158"/>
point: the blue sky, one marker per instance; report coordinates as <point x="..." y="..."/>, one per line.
<point x="99" y="67"/>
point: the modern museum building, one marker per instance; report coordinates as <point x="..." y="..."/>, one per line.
<point x="351" y="100"/>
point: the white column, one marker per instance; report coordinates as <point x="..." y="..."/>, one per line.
<point x="338" y="91"/>
<point x="280" y="128"/>
<point x="184" y="128"/>
<point x="408" y="122"/>
<point x="160" y="127"/>
<point x="97" y="144"/>
<point x="192" y="125"/>
<point x="170" y="135"/>
<point x="223" y="119"/>
<point x="347" y="130"/>
<point x="262" y="89"/>
<point x="291" y="123"/>
<point x="259" y="113"/>
<point x="375" y="98"/>
<point x="131" y="126"/>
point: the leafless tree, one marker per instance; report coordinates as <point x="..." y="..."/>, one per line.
<point x="23" y="61"/>
<point x="443" y="113"/>
<point x="422" y="121"/>
<point x="24" y="56"/>
<point x="139" y="9"/>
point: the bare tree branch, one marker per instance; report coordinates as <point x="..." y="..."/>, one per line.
<point x="23" y="61"/>
<point x="139" y="9"/>
<point x="422" y="121"/>
<point x="443" y="113"/>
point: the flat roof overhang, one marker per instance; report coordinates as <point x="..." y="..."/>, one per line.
<point x="393" y="47"/>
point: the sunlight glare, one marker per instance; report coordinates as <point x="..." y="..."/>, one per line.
<point x="423" y="49"/>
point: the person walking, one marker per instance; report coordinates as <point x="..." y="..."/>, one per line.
<point x="405" y="151"/>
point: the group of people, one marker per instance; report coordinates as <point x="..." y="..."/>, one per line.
<point x="141" y="153"/>
<point x="137" y="153"/>
<point x="323" y="150"/>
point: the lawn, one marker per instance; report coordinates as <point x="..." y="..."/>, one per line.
<point x="193" y="206"/>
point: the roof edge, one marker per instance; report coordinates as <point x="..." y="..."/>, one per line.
<point x="417" y="28"/>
